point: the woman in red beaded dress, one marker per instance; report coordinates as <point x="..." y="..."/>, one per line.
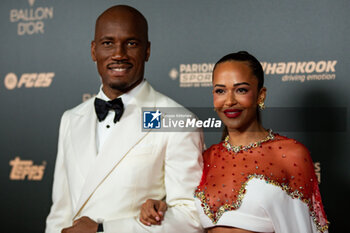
<point x="254" y="180"/>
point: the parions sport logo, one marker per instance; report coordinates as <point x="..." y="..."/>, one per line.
<point x="200" y="74"/>
<point x="87" y="96"/>
<point x="193" y="75"/>
<point x="28" y="80"/>
<point x="31" y="20"/>
<point x="301" y="71"/>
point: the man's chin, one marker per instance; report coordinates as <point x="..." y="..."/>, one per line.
<point x="123" y="86"/>
<point x="120" y="86"/>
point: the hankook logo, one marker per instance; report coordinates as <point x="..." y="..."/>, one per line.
<point x="31" y="21"/>
<point x="28" y="80"/>
<point x="301" y="71"/>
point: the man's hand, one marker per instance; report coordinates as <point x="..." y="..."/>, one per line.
<point x="152" y="212"/>
<point x="82" y="225"/>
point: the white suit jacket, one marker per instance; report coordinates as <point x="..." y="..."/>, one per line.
<point x="131" y="167"/>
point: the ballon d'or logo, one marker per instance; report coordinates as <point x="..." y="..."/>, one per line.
<point x="31" y="2"/>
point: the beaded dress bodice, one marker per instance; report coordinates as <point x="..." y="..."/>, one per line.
<point x="282" y="162"/>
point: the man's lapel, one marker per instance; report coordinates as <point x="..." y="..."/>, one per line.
<point x="126" y="134"/>
<point x="84" y="138"/>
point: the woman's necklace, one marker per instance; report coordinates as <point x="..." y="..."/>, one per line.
<point x="237" y="149"/>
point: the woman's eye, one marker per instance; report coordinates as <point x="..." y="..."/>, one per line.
<point x="242" y="90"/>
<point x="219" y="91"/>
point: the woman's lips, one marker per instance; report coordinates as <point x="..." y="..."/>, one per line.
<point x="232" y="113"/>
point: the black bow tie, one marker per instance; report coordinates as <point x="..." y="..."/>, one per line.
<point x="102" y="107"/>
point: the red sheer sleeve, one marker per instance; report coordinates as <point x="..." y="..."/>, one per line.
<point x="304" y="184"/>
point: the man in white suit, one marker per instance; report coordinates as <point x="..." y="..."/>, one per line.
<point x="106" y="167"/>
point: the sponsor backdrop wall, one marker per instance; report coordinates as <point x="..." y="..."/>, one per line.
<point x="46" y="68"/>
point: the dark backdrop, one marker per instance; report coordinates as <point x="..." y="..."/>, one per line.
<point x="46" y="68"/>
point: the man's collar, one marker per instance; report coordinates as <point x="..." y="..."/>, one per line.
<point x="126" y="97"/>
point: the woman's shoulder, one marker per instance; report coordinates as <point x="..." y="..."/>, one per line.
<point x="292" y="151"/>
<point x="289" y="145"/>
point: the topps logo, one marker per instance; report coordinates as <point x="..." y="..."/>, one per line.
<point x="28" y="80"/>
<point x="306" y="67"/>
<point x="25" y="168"/>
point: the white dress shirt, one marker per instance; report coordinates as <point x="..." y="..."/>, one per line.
<point x="104" y="127"/>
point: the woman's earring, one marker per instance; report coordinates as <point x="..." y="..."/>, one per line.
<point x="262" y="105"/>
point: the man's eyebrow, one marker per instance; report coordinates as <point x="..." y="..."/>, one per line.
<point x="238" y="84"/>
<point x="106" y="38"/>
<point x="133" y="38"/>
<point x="219" y="85"/>
<point x="112" y="38"/>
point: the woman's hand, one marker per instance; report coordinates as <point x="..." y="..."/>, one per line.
<point x="152" y="212"/>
